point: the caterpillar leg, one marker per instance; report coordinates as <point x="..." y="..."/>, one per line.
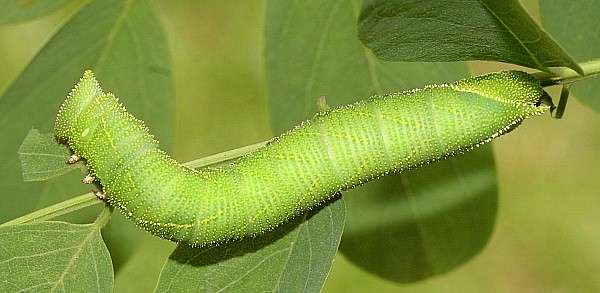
<point x="88" y="179"/>
<point x="100" y="194"/>
<point x="73" y="159"/>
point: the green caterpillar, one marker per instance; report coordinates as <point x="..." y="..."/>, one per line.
<point x="336" y="150"/>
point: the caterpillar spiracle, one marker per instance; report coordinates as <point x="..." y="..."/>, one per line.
<point x="336" y="150"/>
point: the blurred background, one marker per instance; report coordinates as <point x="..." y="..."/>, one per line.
<point x="547" y="237"/>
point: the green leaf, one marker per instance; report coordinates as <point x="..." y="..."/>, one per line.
<point x="123" y="42"/>
<point x="460" y="30"/>
<point x="42" y="157"/>
<point x="294" y="257"/>
<point x="312" y="50"/>
<point x="54" y="257"/>
<point x="575" y="24"/>
<point x="15" y="11"/>
<point x="427" y="221"/>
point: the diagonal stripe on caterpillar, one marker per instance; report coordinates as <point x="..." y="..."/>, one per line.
<point x="336" y="150"/>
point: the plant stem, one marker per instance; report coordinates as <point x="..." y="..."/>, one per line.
<point x="104" y="216"/>
<point x="224" y="157"/>
<point x="565" y="76"/>
<point x="61" y="208"/>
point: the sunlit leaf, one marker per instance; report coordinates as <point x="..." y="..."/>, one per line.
<point x="54" y="257"/>
<point x="294" y="257"/>
<point x="458" y="30"/>
<point x="42" y="157"/>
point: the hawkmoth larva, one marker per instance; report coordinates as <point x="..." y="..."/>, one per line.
<point x="336" y="150"/>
